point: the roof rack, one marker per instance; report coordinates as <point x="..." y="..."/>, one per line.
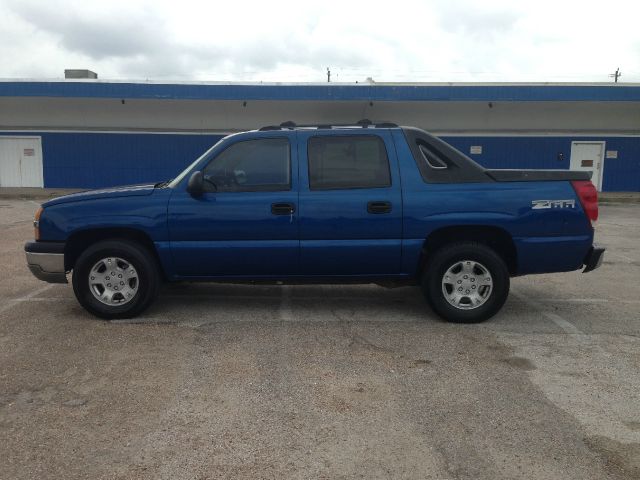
<point x="364" y="123"/>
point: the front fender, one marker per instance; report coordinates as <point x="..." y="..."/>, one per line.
<point x="145" y="213"/>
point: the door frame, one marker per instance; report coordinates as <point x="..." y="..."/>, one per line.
<point x="355" y="235"/>
<point x="39" y="151"/>
<point x="189" y="247"/>
<point x="597" y="184"/>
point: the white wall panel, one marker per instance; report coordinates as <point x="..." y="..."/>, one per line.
<point x="223" y="116"/>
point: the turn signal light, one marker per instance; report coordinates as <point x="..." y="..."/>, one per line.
<point x="36" y="223"/>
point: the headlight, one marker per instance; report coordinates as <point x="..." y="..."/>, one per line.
<point x="36" y="223"/>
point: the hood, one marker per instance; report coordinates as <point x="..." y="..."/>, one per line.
<point x="113" y="192"/>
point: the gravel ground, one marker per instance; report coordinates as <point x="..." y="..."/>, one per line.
<point x="226" y="381"/>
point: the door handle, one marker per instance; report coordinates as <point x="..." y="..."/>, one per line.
<point x="283" y="208"/>
<point x="379" y="207"/>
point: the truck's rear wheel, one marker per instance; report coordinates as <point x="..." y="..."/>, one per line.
<point x="116" y="279"/>
<point x="466" y="282"/>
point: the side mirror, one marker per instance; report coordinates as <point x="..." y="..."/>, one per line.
<point x="196" y="184"/>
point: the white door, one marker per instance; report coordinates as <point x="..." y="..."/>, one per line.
<point x="588" y="156"/>
<point x="20" y="162"/>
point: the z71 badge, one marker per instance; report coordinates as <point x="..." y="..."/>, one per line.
<point x="540" y="204"/>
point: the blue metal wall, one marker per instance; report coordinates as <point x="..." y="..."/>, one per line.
<point x="93" y="160"/>
<point x="621" y="174"/>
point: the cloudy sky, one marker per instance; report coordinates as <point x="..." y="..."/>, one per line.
<point x="439" y="40"/>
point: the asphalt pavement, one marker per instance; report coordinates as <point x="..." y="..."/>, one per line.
<point x="235" y="381"/>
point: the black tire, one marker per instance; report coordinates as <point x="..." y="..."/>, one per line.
<point x="148" y="278"/>
<point x="446" y="257"/>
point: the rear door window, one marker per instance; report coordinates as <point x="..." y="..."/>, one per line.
<point x="344" y="162"/>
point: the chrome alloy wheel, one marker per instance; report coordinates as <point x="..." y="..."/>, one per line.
<point x="113" y="281"/>
<point x="467" y="284"/>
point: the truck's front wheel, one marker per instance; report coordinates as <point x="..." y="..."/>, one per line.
<point x="115" y="279"/>
<point x="466" y="282"/>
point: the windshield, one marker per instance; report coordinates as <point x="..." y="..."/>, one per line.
<point x="182" y="174"/>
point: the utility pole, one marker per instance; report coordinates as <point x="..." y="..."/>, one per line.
<point x="328" y="75"/>
<point x="616" y="75"/>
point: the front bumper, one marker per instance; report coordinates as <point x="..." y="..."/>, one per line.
<point x="46" y="261"/>
<point x="593" y="259"/>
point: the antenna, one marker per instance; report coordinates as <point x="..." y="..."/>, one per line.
<point x="328" y="75"/>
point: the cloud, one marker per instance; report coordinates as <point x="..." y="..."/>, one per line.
<point x="122" y="34"/>
<point x="412" y="40"/>
<point x="479" y="20"/>
<point x="142" y="43"/>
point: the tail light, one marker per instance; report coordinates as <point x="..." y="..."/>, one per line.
<point x="588" y="196"/>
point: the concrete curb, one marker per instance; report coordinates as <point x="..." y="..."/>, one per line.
<point x="618" y="197"/>
<point x="35" y="193"/>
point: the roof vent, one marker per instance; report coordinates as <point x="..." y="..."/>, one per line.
<point x="79" y="73"/>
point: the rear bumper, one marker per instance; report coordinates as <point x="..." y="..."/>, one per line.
<point x="552" y="254"/>
<point x="46" y="261"/>
<point x="593" y="259"/>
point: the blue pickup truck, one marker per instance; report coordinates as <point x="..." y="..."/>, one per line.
<point x="363" y="203"/>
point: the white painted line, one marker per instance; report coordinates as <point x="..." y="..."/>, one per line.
<point x="45" y="299"/>
<point x="573" y="300"/>
<point x="29" y="296"/>
<point x="586" y="300"/>
<point x="562" y="323"/>
<point x="336" y="298"/>
<point x="565" y="325"/>
<point x="285" y="311"/>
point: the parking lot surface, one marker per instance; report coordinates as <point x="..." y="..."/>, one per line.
<point x="234" y="381"/>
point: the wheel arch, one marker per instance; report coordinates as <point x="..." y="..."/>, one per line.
<point x="494" y="237"/>
<point x="80" y="240"/>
